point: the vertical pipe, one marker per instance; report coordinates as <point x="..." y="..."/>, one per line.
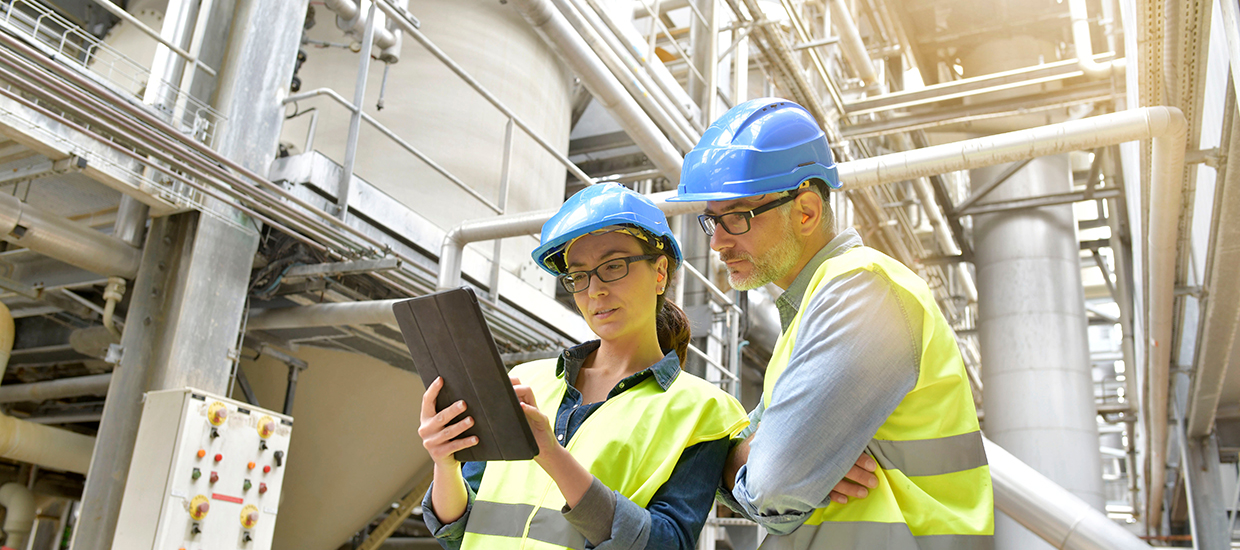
<point x="503" y="206"/>
<point x="355" y="120"/>
<point x="130" y="224"/>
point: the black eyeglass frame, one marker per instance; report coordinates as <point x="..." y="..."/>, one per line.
<point x="710" y="221"/>
<point x="566" y="279"/>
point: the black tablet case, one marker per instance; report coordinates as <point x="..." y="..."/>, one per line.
<point x="448" y="337"/>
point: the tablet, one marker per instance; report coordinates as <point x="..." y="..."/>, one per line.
<point x="448" y="337"/>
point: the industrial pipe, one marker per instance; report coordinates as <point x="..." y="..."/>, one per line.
<point x="1050" y="511"/>
<point x="1085" y="46"/>
<point x="29" y="442"/>
<point x="514" y="225"/>
<point x="320" y="315"/>
<point x="95" y="384"/>
<point x="70" y="242"/>
<point x="608" y="91"/>
<point x="851" y="43"/>
<point x="19" y="514"/>
<point x="627" y="71"/>
<point x="349" y="18"/>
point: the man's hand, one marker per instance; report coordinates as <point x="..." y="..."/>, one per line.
<point x="856" y="481"/>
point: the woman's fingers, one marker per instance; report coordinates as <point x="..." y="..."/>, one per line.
<point x="525" y="394"/>
<point x="454" y="430"/>
<point x="428" y="398"/>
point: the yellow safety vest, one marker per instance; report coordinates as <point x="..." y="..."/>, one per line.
<point x="631" y="443"/>
<point x="933" y="480"/>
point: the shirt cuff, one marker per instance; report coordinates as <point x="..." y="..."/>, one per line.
<point x="593" y="516"/>
<point x="450" y="531"/>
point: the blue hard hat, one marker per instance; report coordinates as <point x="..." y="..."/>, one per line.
<point x="761" y="146"/>
<point x="600" y="207"/>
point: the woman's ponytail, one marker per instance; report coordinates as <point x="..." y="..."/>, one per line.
<point x="672" y="326"/>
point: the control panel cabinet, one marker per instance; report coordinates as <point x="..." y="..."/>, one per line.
<point x="206" y="474"/>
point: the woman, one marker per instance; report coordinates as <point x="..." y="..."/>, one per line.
<point x="637" y="447"/>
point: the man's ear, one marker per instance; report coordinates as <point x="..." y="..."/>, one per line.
<point x="808" y="213"/>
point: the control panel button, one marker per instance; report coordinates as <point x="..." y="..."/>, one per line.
<point x="246" y="486"/>
<point x="262" y="488"/>
<point x="267" y="469"/>
<point x="279" y="458"/>
<point x="219" y="457"/>
<point x="249" y="516"/>
<point x="202" y="453"/>
<point x="196" y="474"/>
<point x="199" y="506"/>
<point x="215" y="476"/>
<point x="266" y="427"/>
<point x="217" y="413"/>
<point x="249" y="466"/>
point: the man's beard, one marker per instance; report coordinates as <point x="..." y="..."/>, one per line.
<point x="773" y="264"/>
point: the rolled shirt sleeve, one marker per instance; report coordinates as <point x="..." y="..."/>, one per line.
<point x="856" y="356"/>
<point x="452" y="534"/>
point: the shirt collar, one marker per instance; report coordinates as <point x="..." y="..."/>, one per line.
<point x="664" y="371"/>
<point x="790" y="301"/>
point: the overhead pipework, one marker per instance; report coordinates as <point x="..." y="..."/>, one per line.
<point x="1084" y="45"/>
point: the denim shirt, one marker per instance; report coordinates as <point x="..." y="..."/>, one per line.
<point x="675" y="515"/>
<point x="857" y="354"/>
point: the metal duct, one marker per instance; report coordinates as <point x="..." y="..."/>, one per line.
<point x="1050" y="511"/>
<point x="70" y="242"/>
<point x="323" y="315"/>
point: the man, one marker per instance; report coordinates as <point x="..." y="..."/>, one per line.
<point x="865" y="360"/>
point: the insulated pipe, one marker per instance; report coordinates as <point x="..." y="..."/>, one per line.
<point x="850" y="41"/>
<point x="1050" y="511"/>
<point x="19" y="514"/>
<point x="1084" y="45"/>
<point x="67" y="241"/>
<point x="37" y="444"/>
<point x="529" y="223"/>
<point x="95" y="384"/>
<point x="321" y="315"/>
<point x="8" y="332"/>
<point x="608" y="91"/>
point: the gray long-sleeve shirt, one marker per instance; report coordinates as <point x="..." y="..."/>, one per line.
<point x="856" y="356"/>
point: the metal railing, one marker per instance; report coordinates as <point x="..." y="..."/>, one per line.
<point x="68" y="43"/>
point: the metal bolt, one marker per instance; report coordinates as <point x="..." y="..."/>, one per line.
<point x="146" y="322"/>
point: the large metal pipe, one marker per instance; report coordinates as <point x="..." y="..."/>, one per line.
<point x="572" y="49"/>
<point x="621" y="63"/>
<point x="95" y="384"/>
<point x="70" y="242"/>
<point x="1084" y="45"/>
<point x="1166" y="184"/>
<point x="853" y="46"/>
<point x="1050" y="511"/>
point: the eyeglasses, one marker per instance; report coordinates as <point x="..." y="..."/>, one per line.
<point x="737" y="223"/>
<point x="609" y="272"/>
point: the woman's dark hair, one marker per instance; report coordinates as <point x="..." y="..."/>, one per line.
<point x="671" y="323"/>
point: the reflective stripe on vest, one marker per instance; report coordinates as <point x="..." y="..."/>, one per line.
<point x="631" y="443"/>
<point x="868" y="534"/>
<point x="934" y="483"/>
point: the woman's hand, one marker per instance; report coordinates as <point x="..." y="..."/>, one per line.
<point x="544" y="433"/>
<point x="569" y="475"/>
<point x="436" y="432"/>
